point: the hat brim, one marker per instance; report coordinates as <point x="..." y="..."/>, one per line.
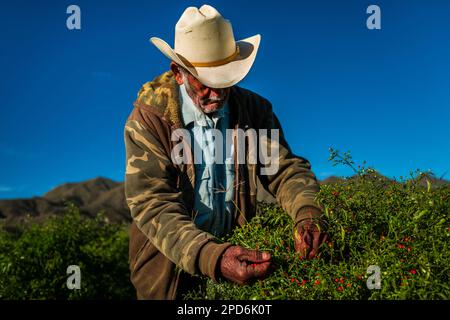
<point x="222" y="76"/>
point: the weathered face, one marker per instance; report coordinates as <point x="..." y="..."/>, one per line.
<point x="205" y="98"/>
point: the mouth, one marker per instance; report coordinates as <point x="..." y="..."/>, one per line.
<point x="212" y="104"/>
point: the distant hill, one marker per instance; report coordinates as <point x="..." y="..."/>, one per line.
<point x="331" y="180"/>
<point x="90" y="196"/>
<point x="100" y="193"/>
<point x="435" y="182"/>
<point x="422" y="181"/>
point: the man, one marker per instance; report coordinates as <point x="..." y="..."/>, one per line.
<point x="181" y="208"/>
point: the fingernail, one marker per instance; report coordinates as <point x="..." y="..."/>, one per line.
<point x="266" y="255"/>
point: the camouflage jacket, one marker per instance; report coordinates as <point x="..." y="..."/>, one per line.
<point x="163" y="237"/>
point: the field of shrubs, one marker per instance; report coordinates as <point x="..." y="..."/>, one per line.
<point x="402" y="227"/>
<point x="34" y="259"/>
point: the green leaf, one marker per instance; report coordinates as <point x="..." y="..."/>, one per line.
<point x="420" y="214"/>
<point x="428" y="185"/>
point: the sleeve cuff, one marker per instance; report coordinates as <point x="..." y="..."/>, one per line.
<point x="210" y="255"/>
<point x="307" y="213"/>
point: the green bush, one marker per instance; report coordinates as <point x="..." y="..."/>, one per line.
<point x="403" y="228"/>
<point x="34" y="261"/>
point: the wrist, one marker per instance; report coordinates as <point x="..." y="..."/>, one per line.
<point x="210" y="259"/>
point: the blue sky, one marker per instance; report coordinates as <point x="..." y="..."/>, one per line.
<point x="382" y="94"/>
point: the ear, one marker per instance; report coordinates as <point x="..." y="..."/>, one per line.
<point x="176" y="72"/>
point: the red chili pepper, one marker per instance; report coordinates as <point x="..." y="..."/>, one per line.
<point x="292" y="280"/>
<point x="413" y="271"/>
<point x="316" y="282"/>
<point x="336" y="280"/>
<point x="339" y="288"/>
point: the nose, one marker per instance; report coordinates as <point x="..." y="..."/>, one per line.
<point x="215" y="93"/>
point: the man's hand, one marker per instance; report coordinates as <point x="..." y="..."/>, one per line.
<point x="308" y="237"/>
<point x="240" y="265"/>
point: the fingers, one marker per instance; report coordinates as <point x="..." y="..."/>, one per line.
<point x="240" y="265"/>
<point x="313" y="253"/>
<point x="317" y="239"/>
<point x="303" y="250"/>
<point x="306" y="237"/>
<point x="255" y="256"/>
<point x="258" y="270"/>
<point x="300" y="242"/>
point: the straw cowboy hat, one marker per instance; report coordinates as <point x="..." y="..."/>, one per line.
<point x="205" y="46"/>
